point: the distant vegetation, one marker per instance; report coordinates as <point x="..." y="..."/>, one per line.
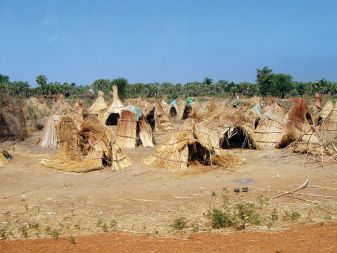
<point x="267" y="84"/>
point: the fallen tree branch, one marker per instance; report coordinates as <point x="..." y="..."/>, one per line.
<point x="306" y="200"/>
<point x="302" y="186"/>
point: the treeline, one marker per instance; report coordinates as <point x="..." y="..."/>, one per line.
<point x="267" y="84"/>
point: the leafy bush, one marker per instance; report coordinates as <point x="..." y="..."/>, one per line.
<point x="179" y="223"/>
<point x="221" y="219"/>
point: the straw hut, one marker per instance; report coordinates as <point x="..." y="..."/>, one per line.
<point x="12" y="120"/>
<point x="113" y="112"/>
<point x="162" y="120"/>
<point x="271" y="128"/>
<point x="187" y="146"/>
<point x="158" y="119"/>
<point x="327" y="108"/>
<point x="49" y="138"/>
<point x="93" y="147"/>
<point x="328" y="126"/>
<point x="99" y="106"/>
<point x="127" y="130"/>
<point x="237" y="132"/>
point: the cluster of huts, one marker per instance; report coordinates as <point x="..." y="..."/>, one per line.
<point x="182" y="133"/>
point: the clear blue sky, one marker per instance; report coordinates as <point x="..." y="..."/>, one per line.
<point x="167" y="40"/>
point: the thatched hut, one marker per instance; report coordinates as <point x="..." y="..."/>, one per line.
<point x="12" y="119"/>
<point x="113" y="112"/>
<point x="99" y="105"/>
<point x="49" y="138"/>
<point x="158" y="119"/>
<point x="271" y="127"/>
<point x="133" y="129"/>
<point x="92" y="147"/>
<point x="187" y="146"/>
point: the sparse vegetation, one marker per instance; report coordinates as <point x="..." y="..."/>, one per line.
<point x="179" y="223"/>
<point x="246" y="213"/>
<point x="221" y="219"/>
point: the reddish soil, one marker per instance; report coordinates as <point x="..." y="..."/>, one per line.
<point x="317" y="238"/>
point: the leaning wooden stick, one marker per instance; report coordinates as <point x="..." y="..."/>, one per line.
<point x="304" y="185"/>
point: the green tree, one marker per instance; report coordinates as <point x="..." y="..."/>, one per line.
<point x="41" y="81"/>
<point x="207" y="80"/>
<point x="281" y="84"/>
<point x="102" y="85"/>
<point x="121" y="84"/>
<point x="4" y="79"/>
<point x="264" y="80"/>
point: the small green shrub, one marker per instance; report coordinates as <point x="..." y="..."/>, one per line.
<point x="179" y="223"/>
<point x="246" y="213"/>
<point x="113" y="224"/>
<point x="55" y="234"/>
<point x="24" y="231"/>
<point x="221" y="219"/>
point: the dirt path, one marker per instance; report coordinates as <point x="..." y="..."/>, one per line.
<point x="302" y="238"/>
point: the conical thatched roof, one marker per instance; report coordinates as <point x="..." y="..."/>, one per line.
<point x="116" y="105"/>
<point x="326" y="109"/>
<point x="187" y="145"/>
<point x="99" y="105"/>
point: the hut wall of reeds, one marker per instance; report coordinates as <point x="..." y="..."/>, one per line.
<point x="127" y="130"/>
<point x="145" y="133"/>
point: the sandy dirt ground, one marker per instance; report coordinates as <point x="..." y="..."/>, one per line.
<point x="315" y="238"/>
<point x="37" y="202"/>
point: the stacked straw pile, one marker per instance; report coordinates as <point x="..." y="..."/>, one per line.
<point x="12" y="120"/>
<point x="92" y="147"/>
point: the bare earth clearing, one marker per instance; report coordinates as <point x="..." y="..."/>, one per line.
<point x="37" y="202"/>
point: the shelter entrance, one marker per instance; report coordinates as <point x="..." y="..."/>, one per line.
<point x="198" y="153"/>
<point x="236" y="137"/>
<point x="112" y="120"/>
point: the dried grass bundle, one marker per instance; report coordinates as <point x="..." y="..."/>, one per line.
<point x="298" y="111"/>
<point x="145" y="133"/>
<point x="49" y="137"/>
<point x="12" y="120"/>
<point x="127" y="130"/>
<point x="162" y="120"/>
<point x="93" y="147"/>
